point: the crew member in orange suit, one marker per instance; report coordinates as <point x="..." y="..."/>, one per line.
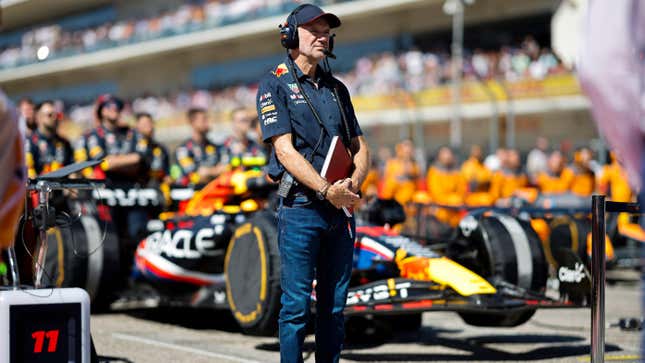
<point x="509" y="178"/>
<point x="477" y="178"/>
<point x="579" y="174"/>
<point x="401" y="174"/>
<point x="445" y="183"/>
<point x="553" y="180"/>
<point x="369" y="189"/>
<point x="446" y="186"/>
<point x="613" y="182"/>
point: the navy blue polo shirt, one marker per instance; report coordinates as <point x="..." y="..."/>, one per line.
<point x="282" y="109"/>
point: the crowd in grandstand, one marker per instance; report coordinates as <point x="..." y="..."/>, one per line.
<point x="383" y="73"/>
<point x="415" y="70"/>
<point x="193" y="16"/>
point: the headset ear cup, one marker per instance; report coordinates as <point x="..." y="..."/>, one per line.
<point x="293" y="40"/>
<point x="284" y="35"/>
<point x="289" y="36"/>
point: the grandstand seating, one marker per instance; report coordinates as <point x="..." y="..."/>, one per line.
<point x="118" y="32"/>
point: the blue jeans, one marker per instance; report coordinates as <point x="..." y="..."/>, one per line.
<point x="315" y="241"/>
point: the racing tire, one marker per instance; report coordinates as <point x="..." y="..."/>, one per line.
<point x="77" y="256"/>
<point x="252" y="269"/>
<point x="506" y="249"/>
<point x="569" y="233"/>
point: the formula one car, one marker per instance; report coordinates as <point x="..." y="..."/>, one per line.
<point x="560" y="220"/>
<point x="219" y="250"/>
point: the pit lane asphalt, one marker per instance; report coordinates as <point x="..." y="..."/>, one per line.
<point x="563" y="335"/>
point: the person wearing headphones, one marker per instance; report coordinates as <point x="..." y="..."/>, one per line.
<point x="301" y="107"/>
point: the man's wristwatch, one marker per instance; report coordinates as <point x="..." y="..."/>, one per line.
<point x="322" y="193"/>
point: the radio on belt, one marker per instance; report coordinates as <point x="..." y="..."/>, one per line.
<point x="44" y="326"/>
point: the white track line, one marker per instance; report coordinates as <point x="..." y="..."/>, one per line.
<point x="181" y="348"/>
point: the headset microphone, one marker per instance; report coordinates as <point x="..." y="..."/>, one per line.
<point x="330" y="47"/>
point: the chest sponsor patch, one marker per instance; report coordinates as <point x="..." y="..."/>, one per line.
<point x="280" y="70"/>
<point x="294" y="88"/>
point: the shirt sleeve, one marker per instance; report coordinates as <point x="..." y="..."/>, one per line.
<point x="272" y="108"/>
<point x="165" y="160"/>
<point x="80" y="154"/>
<point x="185" y="160"/>
<point x="31" y="159"/>
<point x="95" y="147"/>
<point x="69" y="154"/>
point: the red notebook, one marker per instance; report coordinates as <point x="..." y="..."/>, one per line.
<point x="338" y="164"/>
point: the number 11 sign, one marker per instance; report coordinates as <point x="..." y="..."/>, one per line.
<point x="38" y="326"/>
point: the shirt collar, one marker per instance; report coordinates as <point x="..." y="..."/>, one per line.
<point x="320" y="74"/>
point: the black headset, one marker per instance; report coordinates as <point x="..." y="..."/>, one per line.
<point x="289" y="33"/>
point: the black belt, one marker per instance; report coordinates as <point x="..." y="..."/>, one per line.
<point x="300" y="191"/>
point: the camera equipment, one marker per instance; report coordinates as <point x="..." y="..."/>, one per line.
<point x="45" y="325"/>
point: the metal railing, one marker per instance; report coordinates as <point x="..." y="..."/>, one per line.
<point x="598" y="208"/>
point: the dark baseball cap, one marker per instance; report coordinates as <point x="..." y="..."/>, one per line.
<point x="307" y="13"/>
<point x="105" y="100"/>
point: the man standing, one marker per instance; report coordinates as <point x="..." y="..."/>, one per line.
<point x="401" y="174"/>
<point x="115" y="145"/>
<point x="198" y="158"/>
<point x="155" y="154"/>
<point x="46" y="151"/>
<point x="239" y="145"/>
<point x="536" y="161"/>
<point x="111" y="142"/>
<point x="301" y="107"/>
